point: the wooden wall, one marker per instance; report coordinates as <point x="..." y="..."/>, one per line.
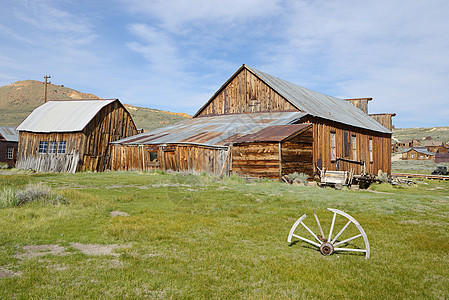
<point x="385" y="119"/>
<point x="113" y="122"/>
<point x="29" y="157"/>
<point x="194" y="159"/>
<point x="297" y="154"/>
<point x="4" y="145"/>
<point x="86" y="150"/>
<point x="245" y="93"/>
<point x="415" y="155"/>
<point x="343" y="134"/>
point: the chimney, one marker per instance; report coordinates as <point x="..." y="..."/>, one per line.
<point x="361" y="103"/>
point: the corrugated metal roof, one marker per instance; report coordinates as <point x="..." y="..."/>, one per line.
<point x="320" y="105"/>
<point x="9" y="134"/>
<point x="213" y="131"/>
<point x="275" y="133"/>
<point x="63" y="116"/>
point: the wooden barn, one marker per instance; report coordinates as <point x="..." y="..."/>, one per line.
<point x="417" y="153"/>
<point x="262" y="126"/>
<point x="9" y="140"/>
<point x="72" y="135"/>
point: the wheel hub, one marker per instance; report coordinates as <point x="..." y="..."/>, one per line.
<point x="327" y="248"/>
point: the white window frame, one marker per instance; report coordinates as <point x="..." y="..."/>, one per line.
<point x="333" y="147"/>
<point x="43" y="147"/>
<point x="371" y="156"/>
<point x="354" y="147"/>
<point x="52" y="147"/>
<point x="10" y="153"/>
<point x="62" y="146"/>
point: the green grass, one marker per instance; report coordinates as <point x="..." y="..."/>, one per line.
<point x="415" y="166"/>
<point x="194" y="237"/>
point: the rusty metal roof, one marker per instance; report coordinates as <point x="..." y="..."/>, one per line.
<point x="9" y="134"/>
<point x="275" y="133"/>
<point x="216" y="131"/>
<point x="320" y="105"/>
<point x="63" y="116"/>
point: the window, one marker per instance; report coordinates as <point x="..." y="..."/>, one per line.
<point x="52" y="148"/>
<point x="333" y="147"/>
<point x="371" y="159"/>
<point x="422" y="156"/>
<point x="413" y="155"/>
<point x="354" y="147"/>
<point x="43" y="147"/>
<point x="153" y="156"/>
<point x="61" y="147"/>
<point x="10" y="153"/>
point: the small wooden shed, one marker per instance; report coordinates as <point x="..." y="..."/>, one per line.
<point x="9" y="140"/>
<point x="72" y="135"/>
<point x="417" y="153"/>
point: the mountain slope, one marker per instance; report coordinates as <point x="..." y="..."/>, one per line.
<point x="19" y="99"/>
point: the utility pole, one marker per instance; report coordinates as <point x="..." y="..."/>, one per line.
<point x="45" y="92"/>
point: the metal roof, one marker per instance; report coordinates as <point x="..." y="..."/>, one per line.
<point x="9" y="134"/>
<point x="320" y="105"/>
<point x="275" y="133"/>
<point x="63" y="116"/>
<point x="216" y="131"/>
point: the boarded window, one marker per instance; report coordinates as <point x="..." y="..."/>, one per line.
<point x="346" y="144"/>
<point x="333" y="147"/>
<point x="43" y="146"/>
<point x="10" y="153"/>
<point x="52" y="147"/>
<point x="354" y="147"/>
<point x="371" y="159"/>
<point x="62" y="147"/>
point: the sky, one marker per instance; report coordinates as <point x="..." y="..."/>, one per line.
<point x="174" y="55"/>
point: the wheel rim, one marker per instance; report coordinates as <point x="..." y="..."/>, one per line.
<point x="332" y="244"/>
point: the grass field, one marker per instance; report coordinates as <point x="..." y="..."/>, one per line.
<point x="152" y="235"/>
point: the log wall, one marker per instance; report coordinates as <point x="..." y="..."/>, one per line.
<point x="256" y="160"/>
<point x="245" y="93"/>
<point x="297" y="154"/>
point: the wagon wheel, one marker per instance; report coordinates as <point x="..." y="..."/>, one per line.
<point x="331" y="245"/>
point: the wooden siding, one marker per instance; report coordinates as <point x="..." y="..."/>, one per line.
<point x="86" y="150"/>
<point x="193" y="159"/>
<point x="297" y="154"/>
<point x="256" y="160"/>
<point x="30" y="158"/>
<point x="385" y="119"/>
<point x="246" y="93"/>
<point x="361" y="103"/>
<point x="322" y="144"/>
<point x="4" y="145"/>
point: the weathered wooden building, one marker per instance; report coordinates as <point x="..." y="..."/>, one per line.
<point x="70" y="136"/>
<point x="417" y="153"/>
<point x="9" y="140"/>
<point x="260" y="125"/>
<point x="435" y="146"/>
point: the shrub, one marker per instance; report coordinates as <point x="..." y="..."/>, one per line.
<point x="8" y="198"/>
<point x="298" y="177"/>
<point x="31" y="193"/>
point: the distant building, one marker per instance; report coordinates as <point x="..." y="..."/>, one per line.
<point x="9" y="140"/>
<point x="441" y="158"/>
<point x="72" y="135"/>
<point x="435" y="146"/>
<point x="417" y="153"/>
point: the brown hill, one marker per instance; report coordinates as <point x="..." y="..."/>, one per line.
<point x="19" y="99"/>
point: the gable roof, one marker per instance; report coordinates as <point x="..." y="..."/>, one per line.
<point x="217" y="131"/>
<point x="63" y="116"/>
<point x="9" y="134"/>
<point x="313" y="103"/>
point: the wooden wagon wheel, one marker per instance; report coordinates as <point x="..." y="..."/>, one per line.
<point x="331" y="245"/>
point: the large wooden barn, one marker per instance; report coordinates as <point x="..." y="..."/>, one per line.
<point x="72" y="135"/>
<point x="262" y="126"/>
<point x="9" y="139"/>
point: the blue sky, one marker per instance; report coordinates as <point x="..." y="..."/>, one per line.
<point x="173" y="54"/>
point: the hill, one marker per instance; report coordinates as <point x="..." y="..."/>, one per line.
<point x="19" y="99"/>
<point x="436" y="133"/>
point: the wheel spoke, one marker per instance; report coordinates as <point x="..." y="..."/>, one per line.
<point x="347" y="240"/>
<point x="311" y="232"/>
<point x="306" y="240"/>
<point x="319" y="226"/>
<point x="350" y="250"/>
<point x="332" y="227"/>
<point x="341" y="231"/>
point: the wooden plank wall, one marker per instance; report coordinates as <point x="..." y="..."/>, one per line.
<point x="4" y="145"/>
<point x="297" y="154"/>
<point x="245" y="93"/>
<point x="193" y="159"/>
<point x="112" y="122"/>
<point x="29" y="157"/>
<point x="321" y="147"/>
<point x="385" y="119"/>
<point x="256" y="159"/>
